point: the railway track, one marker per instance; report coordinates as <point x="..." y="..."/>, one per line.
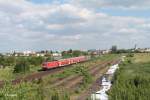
<point x="72" y="81"/>
<point x="41" y="74"/>
<point x="78" y="79"/>
<point x="95" y="86"/>
<point x="34" y="76"/>
<point x="60" y="81"/>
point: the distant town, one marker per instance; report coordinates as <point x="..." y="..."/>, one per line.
<point x="59" y="54"/>
<point x="52" y="53"/>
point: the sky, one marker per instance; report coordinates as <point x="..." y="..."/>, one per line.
<point x="77" y="24"/>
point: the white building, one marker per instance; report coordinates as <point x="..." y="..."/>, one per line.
<point x="40" y="54"/>
<point x="56" y="54"/>
<point x="28" y="53"/>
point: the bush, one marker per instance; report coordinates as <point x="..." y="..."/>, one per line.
<point x="87" y="78"/>
<point x="23" y="91"/>
<point x="55" y="96"/>
<point x="129" y="61"/>
<point x="131" y="82"/>
<point x="130" y="55"/>
<point x="7" y="61"/>
<point x="60" y="95"/>
<point x="21" y="66"/>
<point x="35" y="60"/>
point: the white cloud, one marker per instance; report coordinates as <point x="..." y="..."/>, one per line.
<point x="55" y="26"/>
<point x="27" y="25"/>
<point x="124" y="4"/>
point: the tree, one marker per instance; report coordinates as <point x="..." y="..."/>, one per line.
<point x="65" y="54"/>
<point x="10" y="61"/>
<point x="76" y="53"/>
<point x="35" y="60"/>
<point x="114" y="49"/>
<point x="49" y="59"/>
<point x="2" y="60"/>
<point x="1" y="55"/>
<point x="70" y="51"/>
<point x="21" y="66"/>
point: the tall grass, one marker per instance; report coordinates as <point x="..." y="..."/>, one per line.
<point x="131" y="82"/>
<point x="30" y="91"/>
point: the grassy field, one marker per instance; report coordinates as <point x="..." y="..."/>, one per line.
<point x="141" y="58"/>
<point x="6" y="74"/>
<point x="131" y="81"/>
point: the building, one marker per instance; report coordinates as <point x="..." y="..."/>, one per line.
<point x="57" y="56"/>
<point x="29" y="53"/>
<point x="146" y="50"/>
<point x="98" y="52"/>
<point x="40" y="54"/>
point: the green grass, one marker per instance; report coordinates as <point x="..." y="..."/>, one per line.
<point x="6" y="74"/>
<point x="132" y="79"/>
<point x="31" y="91"/>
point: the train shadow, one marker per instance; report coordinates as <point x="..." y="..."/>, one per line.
<point x="39" y="70"/>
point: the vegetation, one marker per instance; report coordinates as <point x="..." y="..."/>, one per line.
<point x="42" y="89"/>
<point x="19" y="92"/>
<point x="10" y="65"/>
<point x="31" y="91"/>
<point x="7" y="61"/>
<point x="58" y="95"/>
<point x="21" y="66"/>
<point x="35" y="60"/>
<point x="73" y="53"/>
<point x="87" y="78"/>
<point x="114" y="49"/>
<point x="6" y="74"/>
<point x="131" y="82"/>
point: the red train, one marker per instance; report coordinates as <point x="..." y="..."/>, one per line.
<point x="64" y="62"/>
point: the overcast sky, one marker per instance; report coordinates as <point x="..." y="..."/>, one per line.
<point x="76" y="24"/>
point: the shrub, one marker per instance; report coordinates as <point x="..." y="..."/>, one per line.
<point x="130" y="55"/>
<point x="23" y="91"/>
<point x="21" y="66"/>
<point x="131" y="82"/>
<point x="129" y="61"/>
<point x="87" y="78"/>
<point x="55" y="96"/>
<point x="35" y="60"/>
<point x="60" y="95"/>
